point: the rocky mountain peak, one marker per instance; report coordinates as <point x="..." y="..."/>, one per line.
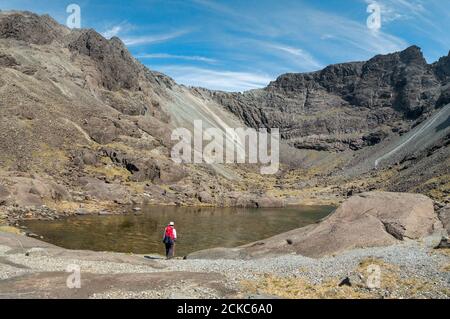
<point x="116" y="65"/>
<point x="412" y="55"/>
<point x="30" y="27"/>
<point x="117" y="68"/>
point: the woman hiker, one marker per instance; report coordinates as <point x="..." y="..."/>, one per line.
<point x="170" y="236"/>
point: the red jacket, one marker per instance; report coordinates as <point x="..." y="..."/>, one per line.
<point x="171" y="232"/>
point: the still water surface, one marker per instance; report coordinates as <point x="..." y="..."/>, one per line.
<point x="197" y="228"/>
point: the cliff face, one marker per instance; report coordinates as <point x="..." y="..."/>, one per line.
<point x="348" y="105"/>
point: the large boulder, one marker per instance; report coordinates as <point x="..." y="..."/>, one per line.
<point x="34" y="192"/>
<point x="146" y="169"/>
<point x="251" y="200"/>
<point x="365" y="220"/>
<point x="103" y="191"/>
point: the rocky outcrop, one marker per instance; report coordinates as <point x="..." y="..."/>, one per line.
<point x="105" y="191"/>
<point x="33" y="192"/>
<point x="365" y="220"/>
<point x="106" y="130"/>
<point x="30" y="27"/>
<point x="146" y="169"/>
<point x="343" y="106"/>
<point x="117" y="67"/>
<point x="442" y="68"/>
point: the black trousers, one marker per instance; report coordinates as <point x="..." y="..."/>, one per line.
<point x="169" y="250"/>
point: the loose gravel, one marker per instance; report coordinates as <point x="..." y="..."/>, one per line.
<point x="414" y="259"/>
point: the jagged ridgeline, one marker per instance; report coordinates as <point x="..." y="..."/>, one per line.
<point x="84" y="121"/>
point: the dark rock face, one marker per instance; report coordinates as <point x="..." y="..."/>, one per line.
<point x="117" y="67"/>
<point x="143" y="169"/>
<point x="29" y="27"/>
<point x="345" y="105"/>
<point x="442" y="68"/>
<point x="444" y="99"/>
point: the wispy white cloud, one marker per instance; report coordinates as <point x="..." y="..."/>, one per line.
<point x="392" y="10"/>
<point x="215" y="6"/>
<point x="217" y="79"/>
<point x="294" y="36"/>
<point x="114" y="31"/>
<point x="150" y="39"/>
<point x="326" y="33"/>
<point x="421" y="16"/>
<point x="178" y="57"/>
<point x="347" y="37"/>
<point x="118" y="29"/>
<point x="301" y="57"/>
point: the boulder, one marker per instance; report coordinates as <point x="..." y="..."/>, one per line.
<point x="365" y="220"/>
<point x="101" y="130"/>
<point x="443" y="244"/>
<point x="251" y="200"/>
<point x="31" y="192"/>
<point x="103" y="191"/>
<point x="205" y="197"/>
<point x="146" y="169"/>
<point x="82" y="157"/>
<point x="82" y="212"/>
<point x="269" y="202"/>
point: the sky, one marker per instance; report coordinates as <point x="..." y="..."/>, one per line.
<point x="238" y="45"/>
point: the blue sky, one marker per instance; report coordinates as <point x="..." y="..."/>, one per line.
<point x="237" y="45"/>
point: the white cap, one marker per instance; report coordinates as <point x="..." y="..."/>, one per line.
<point x="171" y="224"/>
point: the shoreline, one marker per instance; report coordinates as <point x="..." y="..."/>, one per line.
<point x="14" y="215"/>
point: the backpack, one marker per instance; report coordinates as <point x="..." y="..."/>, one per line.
<point x="168" y="236"/>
